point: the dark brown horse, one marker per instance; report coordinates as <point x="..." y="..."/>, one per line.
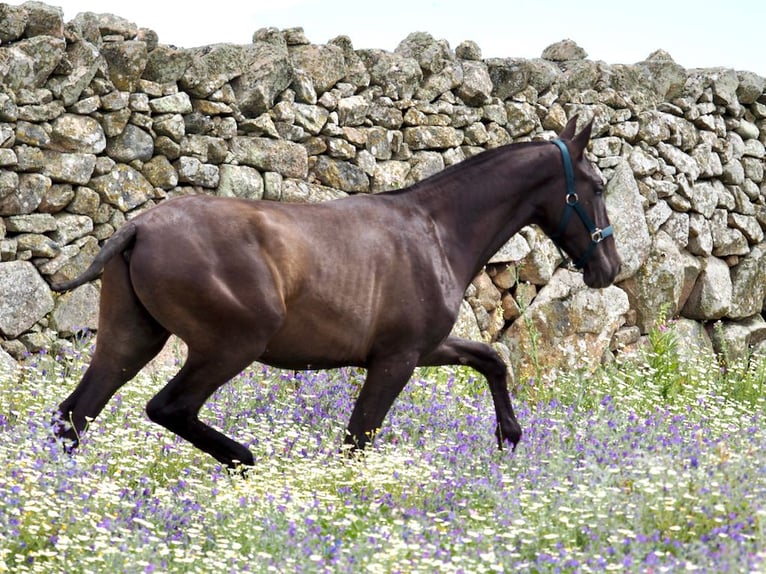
<point x="373" y="281"/>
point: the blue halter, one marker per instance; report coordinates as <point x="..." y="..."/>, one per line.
<point x="573" y="204"/>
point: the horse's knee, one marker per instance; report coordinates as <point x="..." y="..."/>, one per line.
<point x="160" y="411"/>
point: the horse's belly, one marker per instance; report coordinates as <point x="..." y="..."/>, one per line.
<point x="314" y="343"/>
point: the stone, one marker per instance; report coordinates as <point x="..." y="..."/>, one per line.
<point x="522" y="119"/>
<point x="352" y="111"/>
<point x="476" y="87"/>
<point x="56" y="198"/>
<point x="751" y="87"/>
<point x="211" y="67"/>
<point x="748" y="284"/>
<point x="240" y="181"/>
<point x="32" y="134"/>
<point x="466" y="325"/>
<point x="166" y="64"/>
<point x="424" y="164"/>
<point x="85" y="201"/>
<point x="159" y="171"/>
<point x="195" y="172"/>
<point x="388" y="175"/>
<point x="568" y="326"/>
<point x="655" y="290"/>
<point x="37" y="245"/>
<point x="726" y="240"/>
<point x="325" y="65"/>
<point x="432" y="137"/>
<point x="75" y="168"/>
<point x="124" y="188"/>
<point x="508" y="75"/>
<point x="294" y="191"/>
<point x="341" y="175"/>
<point x="642" y="163"/>
<point x="538" y="266"/>
<point x="733" y="340"/>
<point x="126" y="61"/>
<point x="311" y="118"/>
<point x="667" y="77"/>
<point x="27" y="196"/>
<point x="700" y="235"/>
<point x="487" y="295"/>
<point x="733" y="173"/>
<point x="694" y="344"/>
<point x="682" y="161"/>
<point x="748" y="225"/>
<point x="70" y="226"/>
<point x="711" y="297"/>
<point x="399" y="76"/>
<point x="179" y="103"/>
<point x="132" y="144"/>
<point x="267" y="73"/>
<point x="626" y="214"/>
<point x="73" y="260"/>
<point x="32" y="223"/>
<point x="26" y="298"/>
<point x="677" y="228"/>
<point x="287" y="158"/>
<point x="515" y="250"/>
<point x="13" y="21"/>
<point x="76" y="311"/>
<point x="74" y="133"/>
<point x="564" y="51"/>
<point x="28" y="64"/>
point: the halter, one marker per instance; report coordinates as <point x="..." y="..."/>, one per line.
<point x="573" y="204"/>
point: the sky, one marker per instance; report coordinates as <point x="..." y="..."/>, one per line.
<point x="696" y="33"/>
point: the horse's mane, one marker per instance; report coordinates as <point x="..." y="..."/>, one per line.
<point x="477" y="160"/>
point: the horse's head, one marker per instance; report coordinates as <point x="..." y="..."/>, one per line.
<point x="574" y="214"/>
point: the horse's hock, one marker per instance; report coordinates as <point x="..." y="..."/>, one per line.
<point x="99" y="121"/>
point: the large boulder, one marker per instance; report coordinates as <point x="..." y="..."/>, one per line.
<point x="567" y="327"/>
<point x="655" y="289"/>
<point x="626" y="214"/>
<point x="25" y="298"/>
<point x="266" y="72"/>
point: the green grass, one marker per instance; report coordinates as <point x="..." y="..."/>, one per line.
<point x="650" y="465"/>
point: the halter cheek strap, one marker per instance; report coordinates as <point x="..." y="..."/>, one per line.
<point x="573" y="205"/>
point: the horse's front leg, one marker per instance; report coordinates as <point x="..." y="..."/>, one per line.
<point x="386" y="377"/>
<point x="483" y="358"/>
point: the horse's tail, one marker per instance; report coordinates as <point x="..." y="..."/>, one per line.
<point x="119" y="242"/>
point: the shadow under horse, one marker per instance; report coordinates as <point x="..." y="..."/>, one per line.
<point x="374" y="281"/>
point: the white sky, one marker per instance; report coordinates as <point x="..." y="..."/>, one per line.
<point x="696" y="33"/>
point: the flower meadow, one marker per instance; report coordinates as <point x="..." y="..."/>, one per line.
<point x="652" y="464"/>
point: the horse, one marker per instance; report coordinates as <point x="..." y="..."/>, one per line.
<point x="372" y="281"/>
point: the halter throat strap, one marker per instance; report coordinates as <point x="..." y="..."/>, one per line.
<point x="573" y="205"/>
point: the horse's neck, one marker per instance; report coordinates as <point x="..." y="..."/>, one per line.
<point x="478" y="208"/>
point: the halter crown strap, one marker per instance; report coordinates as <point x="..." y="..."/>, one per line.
<point x="567" y="160"/>
<point x="573" y="205"/>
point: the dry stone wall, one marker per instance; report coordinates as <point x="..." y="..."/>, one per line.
<point x="100" y="121"/>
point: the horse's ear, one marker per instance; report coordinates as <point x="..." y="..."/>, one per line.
<point x="580" y="141"/>
<point x="569" y="130"/>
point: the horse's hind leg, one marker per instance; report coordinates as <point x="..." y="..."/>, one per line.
<point x="177" y="405"/>
<point x="456" y="351"/>
<point x="128" y="338"/>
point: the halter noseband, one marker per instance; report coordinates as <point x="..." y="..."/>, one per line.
<point x="573" y="204"/>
